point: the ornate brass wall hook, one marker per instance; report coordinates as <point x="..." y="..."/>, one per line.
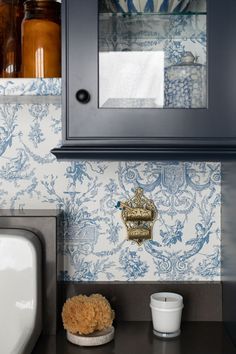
<point x="139" y="214"/>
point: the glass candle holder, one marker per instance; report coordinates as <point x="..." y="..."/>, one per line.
<point x="166" y="311"/>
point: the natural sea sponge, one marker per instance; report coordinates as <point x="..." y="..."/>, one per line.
<point x="103" y="313"/>
<point x="86" y="314"/>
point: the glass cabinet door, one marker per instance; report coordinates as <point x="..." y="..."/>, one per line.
<point x="143" y="75"/>
<point x="152" y="54"/>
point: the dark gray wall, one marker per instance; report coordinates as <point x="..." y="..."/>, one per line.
<point x="130" y="300"/>
<point x="229" y="246"/>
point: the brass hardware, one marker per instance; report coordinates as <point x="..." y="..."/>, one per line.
<point x="139" y="214"/>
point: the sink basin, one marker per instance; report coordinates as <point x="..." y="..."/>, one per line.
<point x="20" y="291"/>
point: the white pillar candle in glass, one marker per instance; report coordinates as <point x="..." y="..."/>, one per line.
<point x="166" y="314"/>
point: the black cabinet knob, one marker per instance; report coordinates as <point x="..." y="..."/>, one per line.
<point x="83" y="96"/>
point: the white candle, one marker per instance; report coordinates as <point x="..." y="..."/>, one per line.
<point x="166" y="313"/>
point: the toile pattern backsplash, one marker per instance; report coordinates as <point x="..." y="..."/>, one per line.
<point x="93" y="247"/>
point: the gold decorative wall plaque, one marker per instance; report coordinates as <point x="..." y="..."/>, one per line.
<point x="139" y="214"/>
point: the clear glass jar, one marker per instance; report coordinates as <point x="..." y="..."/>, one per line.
<point x="41" y="39"/>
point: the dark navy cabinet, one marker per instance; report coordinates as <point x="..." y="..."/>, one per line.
<point x="97" y="124"/>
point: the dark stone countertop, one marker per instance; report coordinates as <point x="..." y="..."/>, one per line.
<point x="29" y="212"/>
<point x="137" y="338"/>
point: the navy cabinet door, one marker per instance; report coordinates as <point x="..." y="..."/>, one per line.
<point x="90" y="128"/>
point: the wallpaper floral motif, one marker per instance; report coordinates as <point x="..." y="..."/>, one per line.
<point x="93" y="246"/>
<point x="30" y="87"/>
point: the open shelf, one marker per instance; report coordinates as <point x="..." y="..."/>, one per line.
<point x="157" y="28"/>
<point x="133" y="14"/>
<point x="137" y="338"/>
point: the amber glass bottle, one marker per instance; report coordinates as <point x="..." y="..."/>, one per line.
<point x="4" y="23"/>
<point x="11" y="15"/>
<point x="41" y="39"/>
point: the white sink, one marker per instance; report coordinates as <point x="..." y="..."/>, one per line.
<point x="20" y="291"/>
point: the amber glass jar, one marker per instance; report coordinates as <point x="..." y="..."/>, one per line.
<point x="41" y="39"/>
<point x="11" y="15"/>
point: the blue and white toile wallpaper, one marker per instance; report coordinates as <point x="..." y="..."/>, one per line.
<point x="30" y="87"/>
<point x="93" y="247"/>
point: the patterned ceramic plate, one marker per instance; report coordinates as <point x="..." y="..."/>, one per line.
<point x="153" y="6"/>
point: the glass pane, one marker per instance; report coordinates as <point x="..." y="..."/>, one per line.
<point x="152" y="54"/>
